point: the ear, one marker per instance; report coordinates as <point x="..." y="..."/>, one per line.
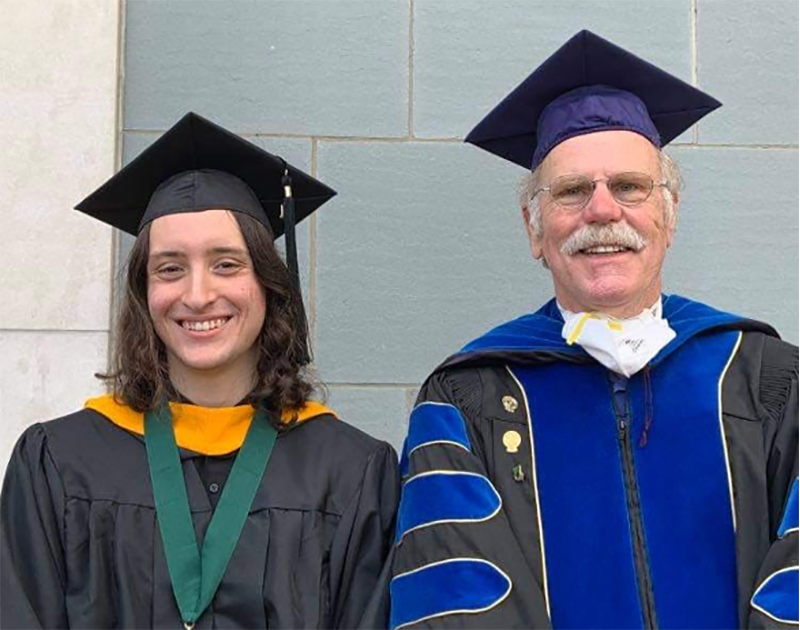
<point x="673" y="223"/>
<point x="534" y="240"/>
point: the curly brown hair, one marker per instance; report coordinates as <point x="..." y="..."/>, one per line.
<point x="139" y="374"/>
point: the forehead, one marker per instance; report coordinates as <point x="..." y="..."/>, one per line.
<point x="195" y="231"/>
<point x="602" y="153"/>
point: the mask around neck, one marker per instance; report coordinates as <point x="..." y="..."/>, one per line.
<point x="624" y="346"/>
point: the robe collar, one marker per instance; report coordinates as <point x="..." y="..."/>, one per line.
<point x="204" y="430"/>
<point x="536" y="338"/>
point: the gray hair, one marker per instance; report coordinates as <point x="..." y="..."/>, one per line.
<point x="670" y="172"/>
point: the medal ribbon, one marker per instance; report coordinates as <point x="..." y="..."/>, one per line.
<point x="195" y="574"/>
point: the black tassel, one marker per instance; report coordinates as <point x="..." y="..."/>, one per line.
<point x="289" y="224"/>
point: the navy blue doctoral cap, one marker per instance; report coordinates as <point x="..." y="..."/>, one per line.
<point x="589" y="85"/>
<point x="198" y="165"/>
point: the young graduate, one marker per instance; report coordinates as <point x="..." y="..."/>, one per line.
<point x="206" y="490"/>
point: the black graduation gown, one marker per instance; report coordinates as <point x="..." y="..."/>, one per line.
<point x="469" y="550"/>
<point x="80" y="545"/>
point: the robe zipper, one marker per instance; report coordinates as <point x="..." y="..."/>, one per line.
<point x="642" y="566"/>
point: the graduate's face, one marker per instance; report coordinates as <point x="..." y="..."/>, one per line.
<point x="620" y="283"/>
<point x="203" y="295"/>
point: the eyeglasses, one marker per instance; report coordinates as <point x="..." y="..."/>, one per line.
<point x="573" y="192"/>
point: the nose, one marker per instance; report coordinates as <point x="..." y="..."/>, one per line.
<point x="201" y="290"/>
<point x="602" y="208"/>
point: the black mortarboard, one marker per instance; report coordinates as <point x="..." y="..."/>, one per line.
<point x="197" y="165"/>
<point x="587" y="85"/>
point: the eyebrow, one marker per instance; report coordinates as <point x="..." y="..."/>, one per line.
<point x="221" y="250"/>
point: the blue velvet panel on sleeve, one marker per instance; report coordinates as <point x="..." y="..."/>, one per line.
<point x="777" y="597"/>
<point x="445" y="497"/>
<point x="789" y="522"/>
<point x="456" y="586"/>
<point x="436" y="423"/>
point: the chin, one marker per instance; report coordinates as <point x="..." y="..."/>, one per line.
<point x="607" y="295"/>
<point x="610" y="297"/>
<point x="203" y="363"/>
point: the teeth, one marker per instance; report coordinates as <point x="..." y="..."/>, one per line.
<point x="210" y="324"/>
<point x="604" y="249"/>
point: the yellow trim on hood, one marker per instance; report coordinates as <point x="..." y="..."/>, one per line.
<point x="205" y="430"/>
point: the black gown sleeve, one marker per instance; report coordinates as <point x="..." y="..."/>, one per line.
<point x="32" y="571"/>
<point x="774" y="600"/>
<point x="361" y="544"/>
<point x="456" y="561"/>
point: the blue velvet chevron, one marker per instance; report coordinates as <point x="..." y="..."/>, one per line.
<point x="433" y="422"/>
<point x="778" y="596"/>
<point x="790" y="513"/>
<point x="445" y="496"/>
<point x="457" y="586"/>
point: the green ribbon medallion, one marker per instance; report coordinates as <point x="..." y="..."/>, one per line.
<point x="195" y="574"/>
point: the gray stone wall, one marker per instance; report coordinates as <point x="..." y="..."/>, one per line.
<point x="58" y="134"/>
<point x="424" y="249"/>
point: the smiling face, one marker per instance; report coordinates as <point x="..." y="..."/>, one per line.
<point x="620" y="281"/>
<point x="203" y="295"/>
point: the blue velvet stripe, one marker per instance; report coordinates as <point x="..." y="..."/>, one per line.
<point x="790" y="512"/>
<point x="778" y="596"/>
<point x="688" y="318"/>
<point x="536" y="331"/>
<point x="683" y="487"/>
<point x="437" y="497"/>
<point x="588" y="555"/>
<point x="456" y="586"/>
<point x="433" y="422"/>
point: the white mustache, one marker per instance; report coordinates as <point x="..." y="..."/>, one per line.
<point x="619" y="234"/>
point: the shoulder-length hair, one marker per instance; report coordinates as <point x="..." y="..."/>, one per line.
<point x="139" y="374"/>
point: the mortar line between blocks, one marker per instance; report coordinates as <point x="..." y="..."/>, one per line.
<point x="411" y="68"/>
<point x="115" y="278"/>
<point x="693" y="54"/>
<point x="459" y="141"/>
<point x="312" y="255"/>
<point x="57" y="331"/>
<point x="321" y="138"/>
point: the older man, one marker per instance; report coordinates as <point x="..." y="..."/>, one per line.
<point x="621" y="458"/>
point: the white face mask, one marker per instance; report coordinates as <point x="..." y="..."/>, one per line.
<point x="622" y="345"/>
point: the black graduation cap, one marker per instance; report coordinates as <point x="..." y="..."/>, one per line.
<point x="587" y="85"/>
<point x="197" y="165"/>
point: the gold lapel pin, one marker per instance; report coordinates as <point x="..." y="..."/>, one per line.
<point x="510" y="404"/>
<point x="512" y="440"/>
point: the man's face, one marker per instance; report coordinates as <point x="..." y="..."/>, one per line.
<point x="204" y="298"/>
<point x="620" y="283"/>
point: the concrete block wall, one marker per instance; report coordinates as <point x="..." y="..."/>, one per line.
<point x="58" y="132"/>
<point x="424" y="249"/>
